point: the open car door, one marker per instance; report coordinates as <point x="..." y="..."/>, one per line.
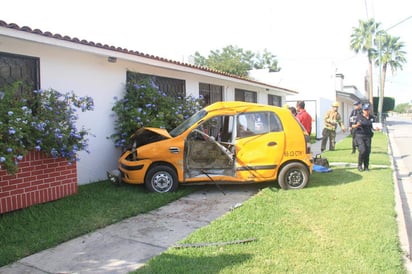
<point x="209" y="151"/>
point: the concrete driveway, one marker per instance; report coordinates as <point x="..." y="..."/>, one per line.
<point x="127" y="245"/>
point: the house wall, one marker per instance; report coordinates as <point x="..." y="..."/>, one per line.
<point x="66" y="66"/>
<point x="87" y="75"/>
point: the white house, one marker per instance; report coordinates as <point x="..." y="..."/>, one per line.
<point x="319" y="86"/>
<point x="91" y="69"/>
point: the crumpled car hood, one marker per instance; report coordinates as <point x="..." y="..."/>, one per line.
<point x="147" y="135"/>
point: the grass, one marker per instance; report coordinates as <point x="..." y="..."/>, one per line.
<point x="343" y="222"/>
<point x="96" y="205"/>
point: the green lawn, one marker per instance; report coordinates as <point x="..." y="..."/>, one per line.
<point x="96" y="205"/>
<point x="343" y="222"/>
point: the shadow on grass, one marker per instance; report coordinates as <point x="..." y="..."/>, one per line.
<point x="337" y="176"/>
<point x="191" y="264"/>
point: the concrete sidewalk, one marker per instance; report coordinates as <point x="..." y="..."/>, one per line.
<point x="127" y="245"/>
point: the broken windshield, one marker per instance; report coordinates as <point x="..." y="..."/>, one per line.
<point x="188" y="123"/>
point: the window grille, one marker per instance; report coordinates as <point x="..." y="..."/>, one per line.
<point x="274" y="100"/>
<point x="172" y="87"/>
<point x="21" y="68"/>
<point x="211" y="93"/>
<point x="245" y="96"/>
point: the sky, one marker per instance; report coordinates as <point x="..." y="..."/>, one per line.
<point x="301" y="33"/>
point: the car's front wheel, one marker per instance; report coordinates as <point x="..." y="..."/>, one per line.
<point x="293" y="176"/>
<point x="161" y="178"/>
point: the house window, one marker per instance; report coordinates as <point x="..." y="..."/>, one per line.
<point x="245" y="96"/>
<point x="274" y="100"/>
<point x="15" y="68"/>
<point x="172" y="87"/>
<point x="210" y="93"/>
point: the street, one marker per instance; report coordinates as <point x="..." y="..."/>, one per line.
<point x="400" y="135"/>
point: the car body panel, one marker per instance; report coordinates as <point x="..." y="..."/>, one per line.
<point x="253" y="143"/>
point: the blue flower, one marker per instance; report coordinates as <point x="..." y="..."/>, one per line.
<point x="19" y="158"/>
<point x="2" y="159"/>
<point x="9" y="150"/>
<point x="10" y="113"/>
<point x="12" y="131"/>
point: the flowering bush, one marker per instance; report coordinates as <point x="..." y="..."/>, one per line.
<point x="145" y="105"/>
<point x="43" y="120"/>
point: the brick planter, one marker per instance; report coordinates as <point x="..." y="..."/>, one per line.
<point x="40" y="179"/>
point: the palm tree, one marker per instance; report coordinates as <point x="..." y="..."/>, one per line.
<point x="390" y="53"/>
<point x="363" y="40"/>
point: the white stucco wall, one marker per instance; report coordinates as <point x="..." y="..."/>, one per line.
<point x="86" y="75"/>
<point x="67" y="66"/>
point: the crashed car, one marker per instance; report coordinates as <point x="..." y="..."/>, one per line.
<point x="225" y="142"/>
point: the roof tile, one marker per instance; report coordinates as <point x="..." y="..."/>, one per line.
<point x="124" y="50"/>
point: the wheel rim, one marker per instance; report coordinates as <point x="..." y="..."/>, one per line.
<point x="162" y="182"/>
<point x="295" y="178"/>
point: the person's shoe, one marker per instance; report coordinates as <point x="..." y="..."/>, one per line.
<point x="360" y="168"/>
<point x="366" y="169"/>
<point x="353" y="151"/>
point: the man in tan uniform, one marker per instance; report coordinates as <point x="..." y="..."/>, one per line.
<point x="332" y="120"/>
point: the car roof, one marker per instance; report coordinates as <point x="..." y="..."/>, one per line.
<point x="239" y="106"/>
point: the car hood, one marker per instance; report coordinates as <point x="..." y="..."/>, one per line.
<point x="148" y="135"/>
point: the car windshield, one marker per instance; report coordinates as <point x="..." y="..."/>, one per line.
<point x="188" y="123"/>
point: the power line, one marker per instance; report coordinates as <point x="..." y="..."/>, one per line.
<point x="391" y="27"/>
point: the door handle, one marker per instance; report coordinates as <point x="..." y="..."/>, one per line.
<point x="271" y="144"/>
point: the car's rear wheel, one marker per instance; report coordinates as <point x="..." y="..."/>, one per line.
<point x="161" y="178"/>
<point x="293" y="176"/>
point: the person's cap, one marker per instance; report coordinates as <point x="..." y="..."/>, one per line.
<point x="356" y="103"/>
<point x="336" y="104"/>
<point x="365" y="106"/>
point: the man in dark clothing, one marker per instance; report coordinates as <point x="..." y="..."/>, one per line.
<point x="352" y="118"/>
<point x="363" y="128"/>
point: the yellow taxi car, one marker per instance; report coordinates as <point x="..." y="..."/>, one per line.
<point x="225" y="142"/>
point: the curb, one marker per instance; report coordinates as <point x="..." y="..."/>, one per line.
<point x="402" y="186"/>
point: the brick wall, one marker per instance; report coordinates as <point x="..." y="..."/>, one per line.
<point x="40" y="179"/>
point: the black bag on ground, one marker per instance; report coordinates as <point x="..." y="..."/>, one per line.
<point x="318" y="160"/>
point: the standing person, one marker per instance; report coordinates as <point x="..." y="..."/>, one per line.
<point x="364" y="132"/>
<point x="352" y="118"/>
<point x="332" y="120"/>
<point x="303" y="116"/>
<point x="293" y="110"/>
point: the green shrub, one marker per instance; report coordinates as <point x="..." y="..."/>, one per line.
<point x="42" y="120"/>
<point x="145" y="105"/>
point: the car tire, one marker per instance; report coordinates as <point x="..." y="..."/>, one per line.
<point x="161" y="179"/>
<point x="293" y="176"/>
